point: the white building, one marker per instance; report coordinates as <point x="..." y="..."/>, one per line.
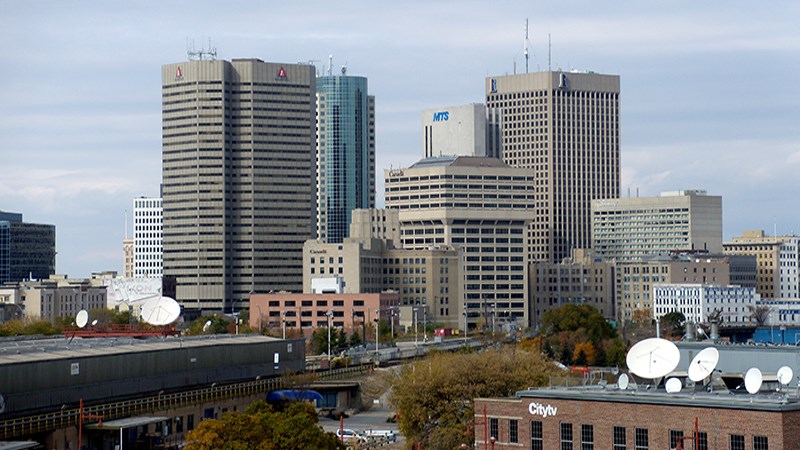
<point x="788" y="263"/>
<point x="147" y="248"/>
<point x="466" y="130"/>
<point x="699" y="301"/>
<point x="782" y="312"/>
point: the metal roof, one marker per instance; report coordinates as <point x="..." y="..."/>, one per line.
<point x="128" y="422"/>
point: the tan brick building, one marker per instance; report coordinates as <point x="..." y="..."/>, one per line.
<point x="608" y="418"/>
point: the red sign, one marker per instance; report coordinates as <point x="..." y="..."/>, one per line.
<point x="281" y="73"/>
<point x="178" y="74"/>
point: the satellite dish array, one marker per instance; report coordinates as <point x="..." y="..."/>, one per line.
<point x="655" y="358"/>
<point x="157" y="311"/>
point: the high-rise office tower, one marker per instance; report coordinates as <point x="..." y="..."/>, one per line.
<point x="27" y="250"/>
<point x="564" y="128"/>
<point x="467" y="130"/>
<point x="238" y="178"/>
<point x="147" y="247"/>
<point x="345" y="153"/>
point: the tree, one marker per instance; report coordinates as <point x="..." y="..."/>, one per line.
<point x="759" y="314"/>
<point x="261" y="427"/>
<point x="433" y="397"/>
<point x="217" y="325"/>
<point x="672" y="323"/>
<point x="587" y="350"/>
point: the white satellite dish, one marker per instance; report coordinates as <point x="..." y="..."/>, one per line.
<point x="206" y="326"/>
<point x="703" y="364"/>
<point x="673" y="385"/>
<point x="160" y="311"/>
<point x="653" y="358"/>
<point x="785" y="375"/>
<point x="82" y="318"/>
<point x="753" y="380"/>
<point x="622" y="382"/>
<point x="94" y="322"/>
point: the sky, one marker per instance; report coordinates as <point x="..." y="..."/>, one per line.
<point x="710" y="92"/>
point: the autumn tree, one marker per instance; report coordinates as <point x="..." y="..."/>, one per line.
<point x="260" y="427"/>
<point x="672" y="323"/>
<point x="579" y="334"/>
<point x="433" y="397"/>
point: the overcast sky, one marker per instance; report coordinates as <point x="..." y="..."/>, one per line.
<point x="710" y="92"/>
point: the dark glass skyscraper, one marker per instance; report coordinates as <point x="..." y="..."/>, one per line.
<point x="27" y="250"/>
<point x="345" y="153"/>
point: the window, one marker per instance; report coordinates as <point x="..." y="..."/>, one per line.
<point x="537" y="436"/>
<point x="494" y="428"/>
<point x="566" y="436"/>
<point x="760" y="443"/>
<point x="587" y="437"/>
<point x="702" y="440"/>
<point x="619" y="438"/>
<point x="675" y="436"/>
<point x="640" y="442"/>
<point x="513" y="431"/>
<point x="190" y="422"/>
<point x="737" y="442"/>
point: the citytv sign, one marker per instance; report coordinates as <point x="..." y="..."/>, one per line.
<point x="441" y="116"/>
<point x="538" y="409"/>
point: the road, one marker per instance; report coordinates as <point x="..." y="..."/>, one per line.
<point x="375" y="418"/>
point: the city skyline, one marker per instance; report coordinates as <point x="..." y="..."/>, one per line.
<point x="708" y="100"/>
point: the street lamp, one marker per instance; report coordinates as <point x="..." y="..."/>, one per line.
<point x="415" y="325"/>
<point x="465" y="326"/>
<point x="377" y="321"/>
<point x="283" y="324"/>
<point x="329" y="314"/>
<point x="392" y="323"/>
<point x="425" y="323"/>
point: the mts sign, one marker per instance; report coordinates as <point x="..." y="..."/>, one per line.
<point x="441" y="116"/>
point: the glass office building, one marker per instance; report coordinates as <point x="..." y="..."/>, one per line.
<point x="345" y="153"/>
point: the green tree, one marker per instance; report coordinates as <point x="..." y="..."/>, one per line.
<point x="260" y="427"/>
<point x="672" y="323"/>
<point x="433" y="397"/>
<point x="216" y="325"/>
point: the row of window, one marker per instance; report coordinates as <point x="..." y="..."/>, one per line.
<point x="583" y="437"/>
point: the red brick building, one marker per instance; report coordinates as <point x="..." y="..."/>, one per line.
<point x="604" y="417"/>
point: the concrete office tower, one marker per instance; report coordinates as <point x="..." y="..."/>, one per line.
<point x="376" y="223"/>
<point x="777" y="259"/>
<point x="626" y="229"/>
<point x="148" y="248"/>
<point x="27" y="250"/>
<point x="345" y="153"/>
<point x="479" y="205"/>
<point x="467" y="130"/>
<point x="238" y="178"/>
<point x="563" y="128"/>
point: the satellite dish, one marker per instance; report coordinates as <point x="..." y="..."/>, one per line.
<point x="703" y="364"/>
<point x="785" y="375"/>
<point x="653" y="358"/>
<point x="673" y="385"/>
<point x="206" y="326"/>
<point x="94" y="322"/>
<point x="752" y="380"/>
<point x="82" y="318"/>
<point x="160" y="311"/>
<point x="622" y="382"/>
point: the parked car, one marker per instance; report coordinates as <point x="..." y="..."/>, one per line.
<point x="381" y="434"/>
<point x="349" y="436"/>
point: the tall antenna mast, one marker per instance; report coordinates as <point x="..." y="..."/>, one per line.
<point x="209" y="54"/>
<point x="549" y="67"/>
<point x="526" y="45"/>
<point x="330" y="65"/>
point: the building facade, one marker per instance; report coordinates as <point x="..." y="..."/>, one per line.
<point x="305" y="312"/>
<point x="612" y="418"/>
<point x="127" y="257"/>
<point x="147" y="239"/>
<point x="563" y="128"/>
<point x="482" y="207"/>
<point x="777" y="259"/>
<point x="626" y="229"/>
<point x="634" y="280"/>
<point x="582" y="279"/>
<point x="466" y="130"/>
<point x="238" y="178"/>
<point x="374" y="223"/>
<point x="27" y="250"/>
<point x="56" y="297"/>
<point x="700" y="303"/>
<point x="345" y="153"/>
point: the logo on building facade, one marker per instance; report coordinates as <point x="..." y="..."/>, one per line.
<point x="493" y="89"/>
<point x="538" y="409"/>
<point x="282" y="74"/>
<point x="441" y="116"/>
<point x="178" y="74"/>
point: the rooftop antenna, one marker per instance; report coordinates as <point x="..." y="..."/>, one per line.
<point x="344" y="68"/>
<point x="549" y="48"/>
<point x="330" y="65"/>
<point x="126" y="223"/>
<point x="209" y="54"/>
<point x="526" y="45"/>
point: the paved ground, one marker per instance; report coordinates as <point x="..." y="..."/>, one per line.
<point x="374" y="419"/>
